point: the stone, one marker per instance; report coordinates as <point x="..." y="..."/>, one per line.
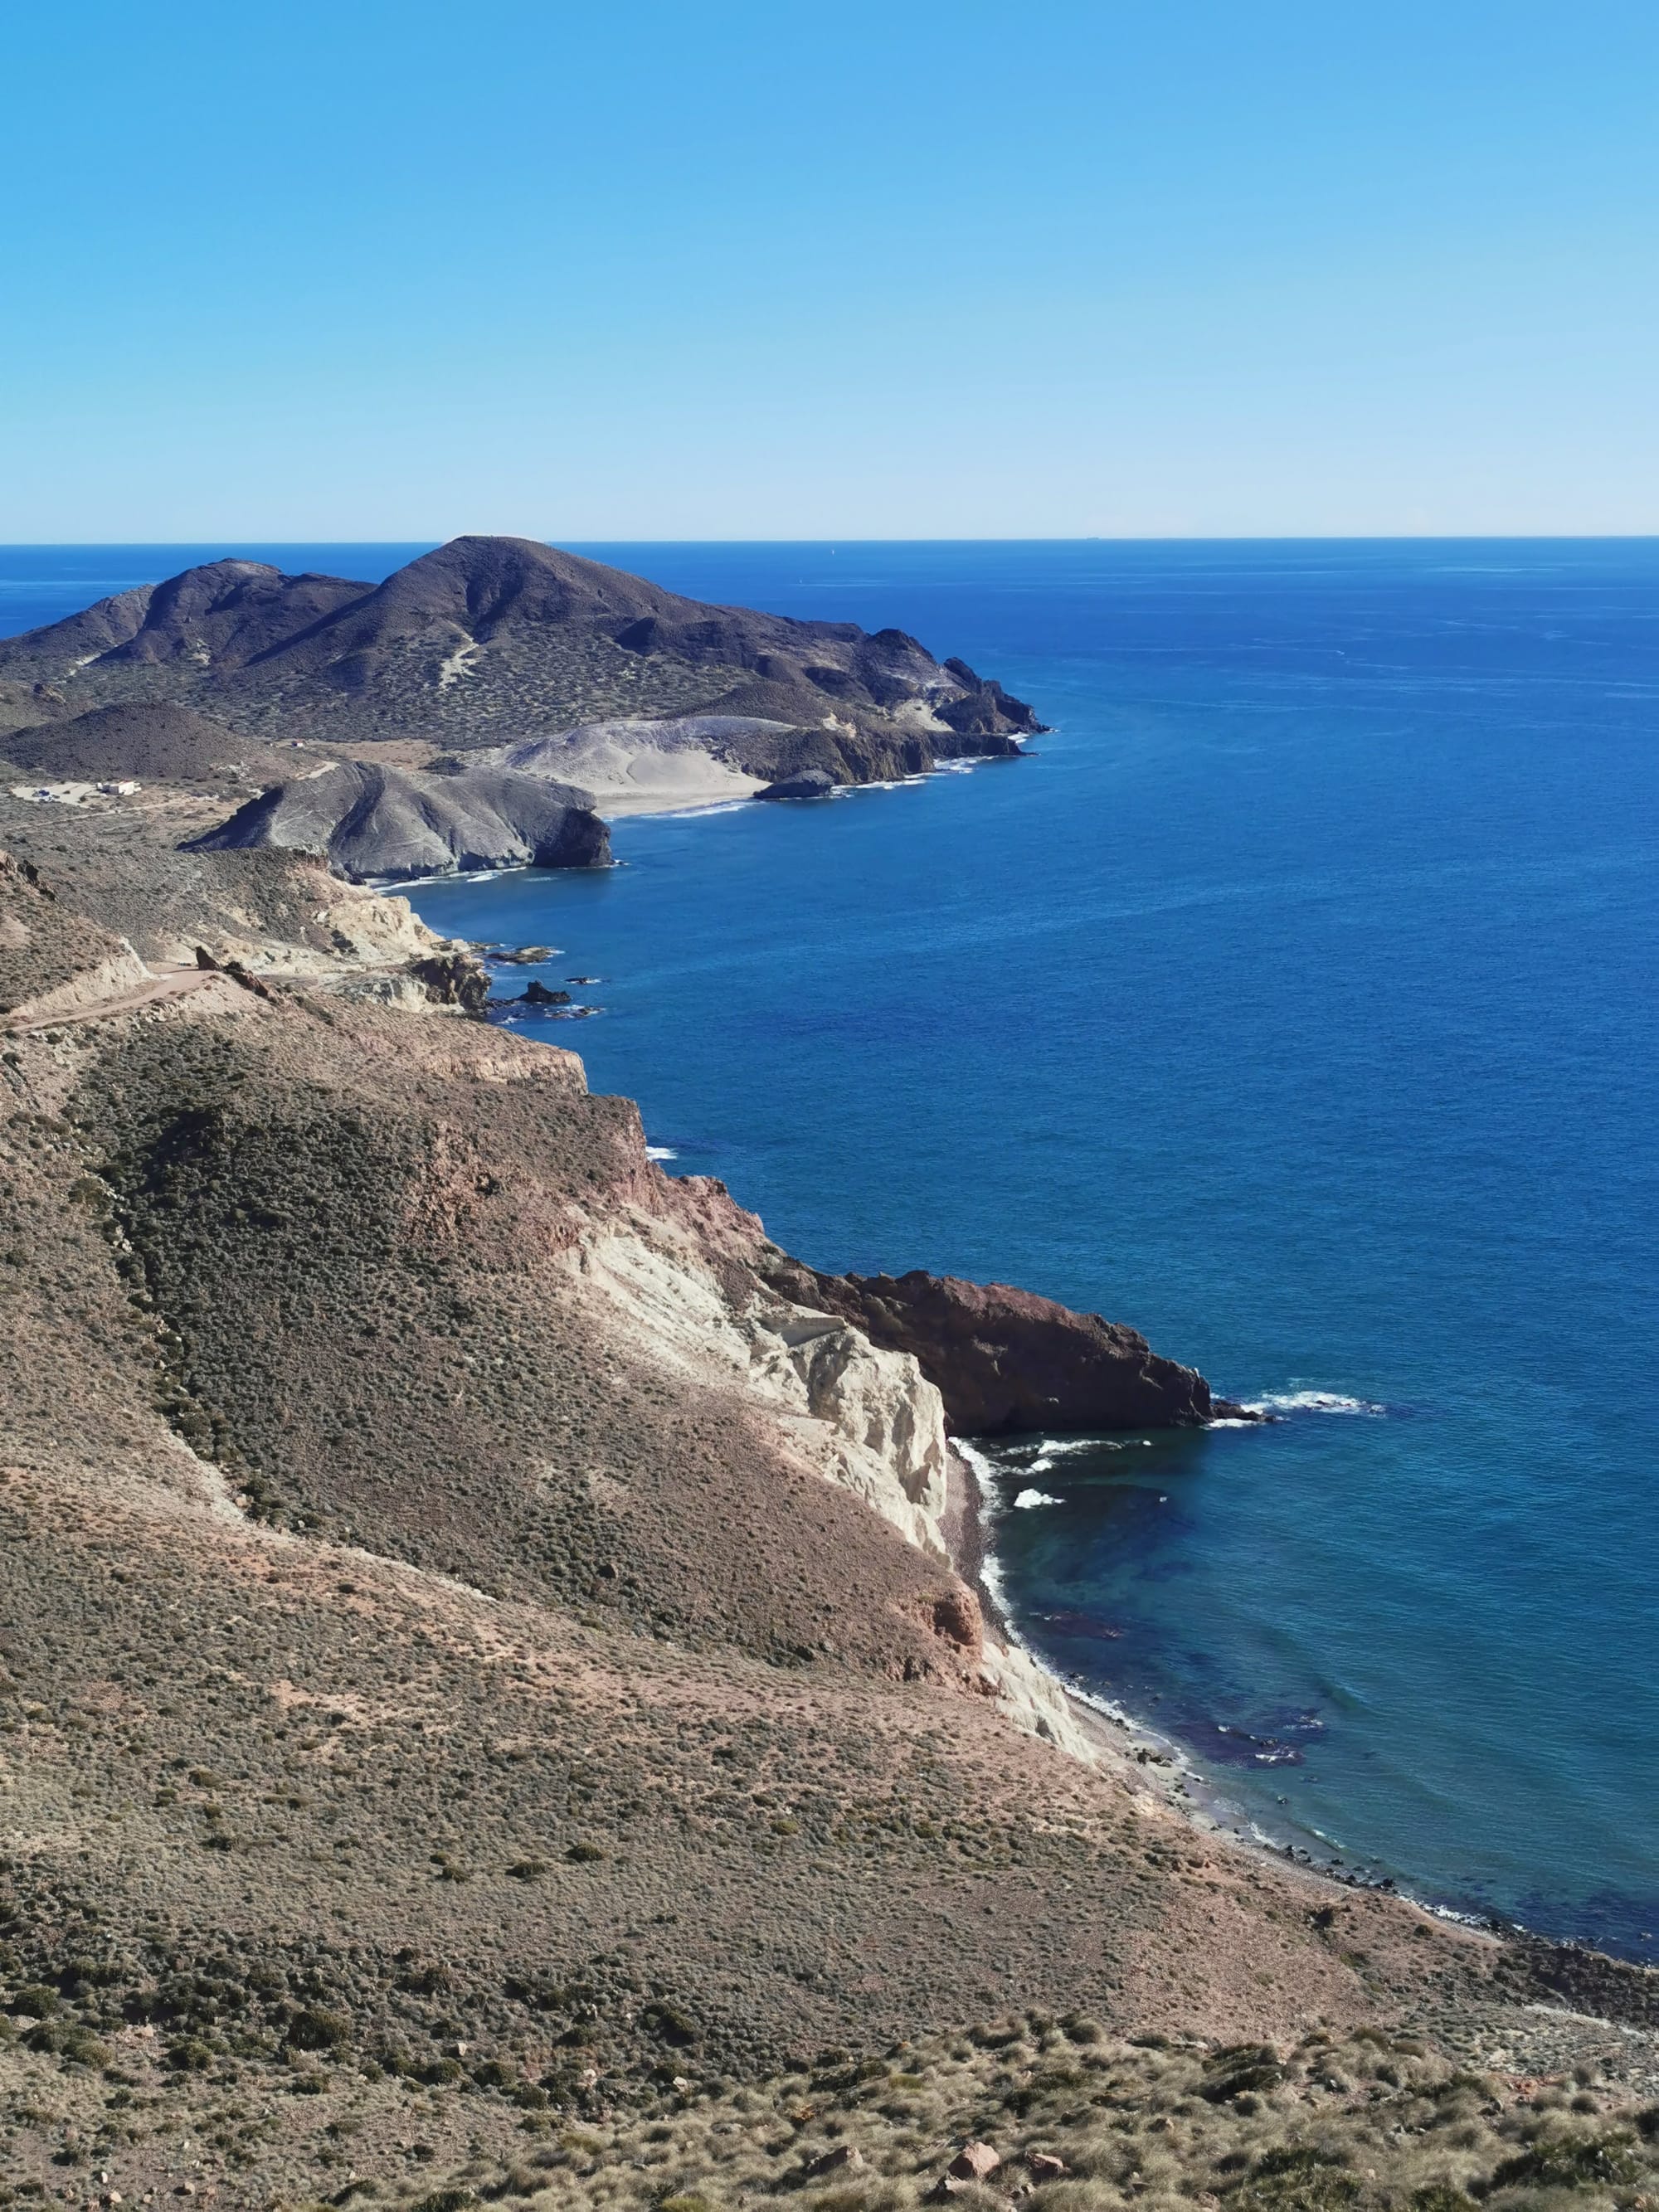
<point x="1045" y="2166"/>
<point x="973" y="2163"/>
<point x="454" y="977"/>
<point x="811" y="783"/>
<point x="844" y="2158"/>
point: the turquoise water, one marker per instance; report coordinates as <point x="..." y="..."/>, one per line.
<point x="1294" y="1003"/>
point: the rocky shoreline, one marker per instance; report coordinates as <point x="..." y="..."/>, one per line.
<point x="1008" y="1361"/>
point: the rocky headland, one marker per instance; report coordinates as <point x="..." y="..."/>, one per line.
<point x="492" y="1701"/>
<point x="1006" y="1362"/>
<point x="373" y="824"/>
<point x="557" y="665"/>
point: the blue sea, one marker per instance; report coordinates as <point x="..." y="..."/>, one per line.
<point x="1294" y="1002"/>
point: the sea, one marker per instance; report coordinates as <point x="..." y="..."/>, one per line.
<point x="1295" y="1002"/>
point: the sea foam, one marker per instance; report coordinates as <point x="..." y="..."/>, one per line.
<point x="1311" y="1401"/>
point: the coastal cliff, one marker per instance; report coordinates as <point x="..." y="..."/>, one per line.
<point x="1008" y="1361"/>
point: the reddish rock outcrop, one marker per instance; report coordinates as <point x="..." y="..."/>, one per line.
<point x="974" y="2162"/>
<point x="1005" y="1361"/>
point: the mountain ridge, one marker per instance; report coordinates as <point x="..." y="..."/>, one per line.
<point x="491" y="641"/>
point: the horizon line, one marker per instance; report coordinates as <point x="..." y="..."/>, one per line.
<point x="1078" y="537"/>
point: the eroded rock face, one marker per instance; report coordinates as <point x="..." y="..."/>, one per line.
<point x="453" y="978"/>
<point x="811" y="783"/>
<point x="379" y="822"/>
<point x="861" y="1415"/>
<point x="1005" y="1361"/>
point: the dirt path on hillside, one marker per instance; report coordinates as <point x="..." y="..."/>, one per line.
<point x="165" y="983"/>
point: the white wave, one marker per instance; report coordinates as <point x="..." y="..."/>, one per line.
<point x="660" y="1152"/>
<point x="695" y="813"/>
<point x="1029" y="1497"/>
<point x="1310" y="1402"/>
<point x="994" y="1583"/>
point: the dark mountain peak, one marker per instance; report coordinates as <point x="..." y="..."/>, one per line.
<point x="478" y="584"/>
<point x="221" y="614"/>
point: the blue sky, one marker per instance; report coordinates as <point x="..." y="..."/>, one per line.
<point x="1140" y="267"/>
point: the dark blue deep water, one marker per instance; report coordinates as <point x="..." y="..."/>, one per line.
<point x="1295" y="1003"/>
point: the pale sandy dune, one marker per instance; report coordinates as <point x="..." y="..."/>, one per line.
<point x="650" y="782"/>
<point x="635" y="765"/>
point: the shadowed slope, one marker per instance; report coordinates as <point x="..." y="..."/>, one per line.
<point x="379" y="822"/>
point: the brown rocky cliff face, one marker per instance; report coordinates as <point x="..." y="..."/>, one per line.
<point x="1006" y="1361"/>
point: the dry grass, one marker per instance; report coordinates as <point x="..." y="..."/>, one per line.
<point x="1360" y="2123"/>
<point x="1363" y="2122"/>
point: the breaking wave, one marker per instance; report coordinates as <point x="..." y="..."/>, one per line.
<point x="1313" y="1401"/>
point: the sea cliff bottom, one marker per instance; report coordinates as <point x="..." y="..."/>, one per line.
<point x="488" y="1688"/>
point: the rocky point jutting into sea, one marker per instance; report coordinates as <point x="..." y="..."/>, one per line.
<point x="484" y="1636"/>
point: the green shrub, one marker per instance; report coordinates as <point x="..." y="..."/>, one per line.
<point x="1574" y="2162"/>
<point x="312" y="2029"/>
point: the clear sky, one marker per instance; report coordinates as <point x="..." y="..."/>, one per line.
<point x="929" y="268"/>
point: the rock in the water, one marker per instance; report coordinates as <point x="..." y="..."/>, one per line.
<point x="537" y="994"/>
<point x="811" y="783"/>
<point x="371" y="821"/>
<point x="1006" y="1362"/>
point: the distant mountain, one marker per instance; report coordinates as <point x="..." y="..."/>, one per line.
<point x="496" y="641"/>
